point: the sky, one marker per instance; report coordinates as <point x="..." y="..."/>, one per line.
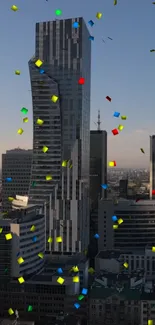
<point x="122" y="68"/>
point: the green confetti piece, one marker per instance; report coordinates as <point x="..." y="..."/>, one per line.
<point x="29" y="308"/>
<point x="24" y="110"/>
<point x="58" y="12"/>
<point x="80" y="297"/>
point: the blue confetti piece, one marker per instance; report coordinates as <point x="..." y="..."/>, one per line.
<point x="91" y="38"/>
<point x="84" y="291"/>
<point x="116" y="114"/>
<point x="8" y="179"/>
<point x="41" y="71"/>
<point x="34" y="239"/>
<point x="18" y="254"/>
<point x="75" y="24"/>
<point x="59" y="270"/>
<point x="91" y="23"/>
<point x="104" y="186"/>
<point x="114" y="218"/>
<point x="76" y="305"/>
<point x="96" y="236"/>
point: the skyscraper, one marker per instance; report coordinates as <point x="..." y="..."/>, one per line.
<point x="152" y="165"/>
<point x="65" y="52"/>
<point x="16" y="171"/>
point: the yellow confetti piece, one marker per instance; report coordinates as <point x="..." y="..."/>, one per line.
<point x="33" y="228"/>
<point x="99" y="15"/>
<point x="10" y="198"/>
<point x="20" y="131"/>
<point x="54" y="99"/>
<point x="59" y="239"/>
<point x="153" y="249"/>
<point x="64" y="163"/>
<point x="50" y="240"/>
<point x="111" y="164"/>
<point x="76" y="279"/>
<point x="60" y="280"/>
<point x="48" y="177"/>
<point x="21" y="280"/>
<point x="70" y="166"/>
<point x="126" y="265"/>
<point x="75" y="269"/>
<point x="14" y="8"/>
<point x="115" y="226"/>
<point x="20" y="260"/>
<point x="38" y="63"/>
<point x="25" y="119"/>
<point x="10" y="311"/>
<point x="41" y="255"/>
<point x="123" y="117"/>
<point x="39" y="121"/>
<point x="17" y="72"/>
<point x="91" y="270"/>
<point x="1" y="229"/>
<point x="120" y="221"/>
<point x="120" y="127"/>
<point x="45" y="149"/>
<point x="115" y="2"/>
<point x="8" y="236"/>
<point x="150" y="322"/>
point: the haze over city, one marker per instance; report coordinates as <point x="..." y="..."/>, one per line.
<point x="122" y="68"/>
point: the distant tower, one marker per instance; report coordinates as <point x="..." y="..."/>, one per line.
<point x="98" y="121"/>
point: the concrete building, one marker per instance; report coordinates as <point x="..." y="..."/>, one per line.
<point x="134" y="227"/>
<point x="16" y="172"/>
<point x="152" y="165"/>
<point x="142" y="261"/>
<point x="65" y="73"/>
<point x="25" y="243"/>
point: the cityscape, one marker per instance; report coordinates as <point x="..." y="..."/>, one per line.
<point x="77" y="207"/>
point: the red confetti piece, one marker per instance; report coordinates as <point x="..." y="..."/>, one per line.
<point x="114" y="163"/>
<point x="81" y="81"/>
<point x="108" y="98"/>
<point x="153" y="192"/>
<point x="115" y="131"/>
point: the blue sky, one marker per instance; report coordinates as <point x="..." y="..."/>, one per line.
<point x="123" y="69"/>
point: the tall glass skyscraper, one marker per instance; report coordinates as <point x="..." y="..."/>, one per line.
<point x="152" y="166"/>
<point x="64" y="48"/>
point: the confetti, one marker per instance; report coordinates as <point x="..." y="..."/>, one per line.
<point x="21" y="280"/>
<point x="153" y="192"/>
<point x="91" y="38"/>
<point x="81" y="81"/>
<point x="112" y="163"/>
<point x="110" y="38"/>
<point x="76" y="279"/>
<point x="41" y="71"/>
<point x="30" y="308"/>
<point x="33" y="228"/>
<point x="116" y="114"/>
<point x="96" y="236"/>
<point x="120" y="221"/>
<point x="80" y="297"/>
<point x="14" y="8"/>
<point x="76" y="305"/>
<point x="50" y="240"/>
<point x="59" y="239"/>
<point x="153" y="249"/>
<point x="20" y="131"/>
<point x="60" y="280"/>
<point x="115" y="2"/>
<point x="41" y="255"/>
<point x="123" y="117"/>
<point x="153" y="50"/>
<point x="20" y="260"/>
<point x="91" y="270"/>
<point x="10" y="311"/>
<point x="91" y="23"/>
<point x="10" y="198"/>
<point x="115" y="226"/>
<point x="39" y="121"/>
<point x="48" y="177"/>
<point x="38" y="63"/>
<point x="8" y="236"/>
<point x="126" y="265"/>
<point x="108" y="98"/>
<point x="17" y="72"/>
<point x="45" y="149"/>
<point x="150" y="322"/>
<point x="54" y="99"/>
<point x="58" y="12"/>
<point x="1" y="229"/>
<point x="142" y="150"/>
<point x="34" y="239"/>
<point x="84" y="291"/>
<point x="8" y="179"/>
<point x="25" y="119"/>
<point x="59" y="270"/>
<point x="114" y="218"/>
<point x="75" y="269"/>
<point x="34" y="183"/>
<point x="75" y="24"/>
<point x="115" y="131"/>
<point x="64" y="163"/>
<point x="104" y="186"/>
<point x="120" y="127"/>
<point x="99" y="15"/>
<point x="24" y="110"/>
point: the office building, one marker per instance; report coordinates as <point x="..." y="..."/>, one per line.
<point x="152" y="166"/>
<point x="65" y="73"/>
<point x="126" y="224"/>
<point x="123" y="188"/>
<point x="26" y="243"/>
<point x="16" y="172"/>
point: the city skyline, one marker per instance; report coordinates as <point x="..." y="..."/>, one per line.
<point x="121" y="69"/>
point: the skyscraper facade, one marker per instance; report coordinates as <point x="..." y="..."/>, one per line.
<point x="16" y="172"/>
<point x="152" y="166"/>
<point x="65" y="52"/>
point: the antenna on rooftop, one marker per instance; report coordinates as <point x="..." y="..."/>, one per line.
<point x="98" y="122"/>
